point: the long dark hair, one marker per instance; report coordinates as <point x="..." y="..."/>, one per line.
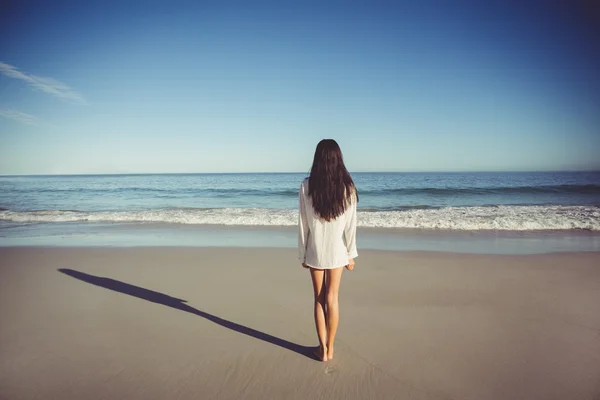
<point x="330" y="186"/>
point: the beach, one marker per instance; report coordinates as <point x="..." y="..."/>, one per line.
<point x="201" y="322"/>
<point x="164" y="171"/>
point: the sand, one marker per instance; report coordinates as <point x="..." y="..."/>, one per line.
<point x="229" y="323"/>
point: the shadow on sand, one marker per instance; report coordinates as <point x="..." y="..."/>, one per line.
<point x="179" y="304"/>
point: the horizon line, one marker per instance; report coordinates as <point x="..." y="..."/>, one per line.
<point x="298" y="172"/>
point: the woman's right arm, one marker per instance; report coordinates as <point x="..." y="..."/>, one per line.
<point x="350" y="231"/>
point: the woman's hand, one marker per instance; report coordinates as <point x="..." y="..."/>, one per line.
<point x="350" y="265"/>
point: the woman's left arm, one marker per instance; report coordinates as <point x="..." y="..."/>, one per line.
<point x="303" y="227"/>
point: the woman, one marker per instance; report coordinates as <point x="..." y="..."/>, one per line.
<point x="327" y="236"/>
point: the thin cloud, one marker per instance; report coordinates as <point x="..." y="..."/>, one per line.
<point x="19" y="116"/>
<point x="48" y="85"/>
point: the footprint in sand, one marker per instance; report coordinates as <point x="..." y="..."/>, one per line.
<point x="329" y="370"/>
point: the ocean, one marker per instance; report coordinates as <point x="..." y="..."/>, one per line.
<point x="449" y="202"/>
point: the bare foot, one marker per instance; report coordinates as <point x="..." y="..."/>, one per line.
<point x="330" y="353"/>
<point x="320" y="353"/>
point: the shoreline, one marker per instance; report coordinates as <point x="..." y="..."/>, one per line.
<point x="395" y="239"/>
<point x="174" y="248"/>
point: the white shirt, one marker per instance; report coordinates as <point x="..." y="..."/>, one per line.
<point x="325" y="244"/>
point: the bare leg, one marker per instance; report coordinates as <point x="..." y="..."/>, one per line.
<point x="334" y="276"/>
<point x="318" y="280"/>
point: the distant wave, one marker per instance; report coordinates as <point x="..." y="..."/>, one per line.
<point x="518" y="218"/>
<point x="400" y="191"/>
<point x="580" y="189"/>
<point x="400" y="208"/>
<point x="171" y="192"/>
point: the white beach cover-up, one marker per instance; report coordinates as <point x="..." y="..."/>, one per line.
<point x="325" y="244"/>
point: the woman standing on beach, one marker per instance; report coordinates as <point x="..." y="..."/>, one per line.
<point x="327" y="235"/>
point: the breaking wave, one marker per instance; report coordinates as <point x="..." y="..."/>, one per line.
<point x="512" y="218"/>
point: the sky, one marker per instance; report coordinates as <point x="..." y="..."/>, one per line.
<point x="182" y="87"/>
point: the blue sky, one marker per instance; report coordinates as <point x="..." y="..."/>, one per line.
<point x="90" y="87"/>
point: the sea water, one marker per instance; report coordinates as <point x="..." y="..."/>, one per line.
<point x="449" y="202"/>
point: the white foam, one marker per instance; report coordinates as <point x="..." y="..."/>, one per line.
<point x="519" y="218"/>
<point x="215" y="216"/>
<point x="514" y="218"/>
